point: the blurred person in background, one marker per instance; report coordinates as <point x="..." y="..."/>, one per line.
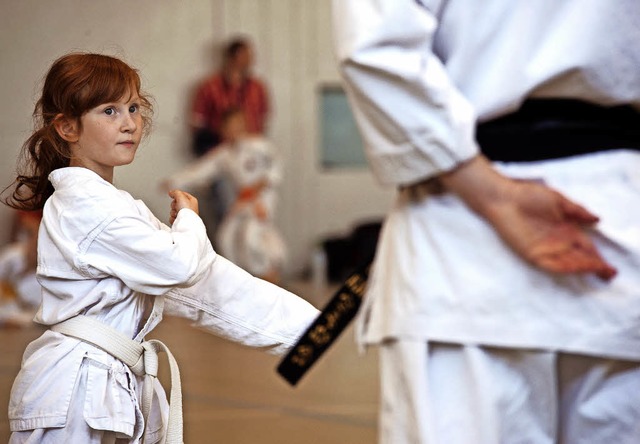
<point x="247" y="235"/>
<point x="233" y="86"/>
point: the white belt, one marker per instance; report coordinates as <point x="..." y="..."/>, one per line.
<point x="141" y="358"/>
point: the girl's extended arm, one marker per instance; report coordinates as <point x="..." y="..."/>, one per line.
<point x="233" y="304"/>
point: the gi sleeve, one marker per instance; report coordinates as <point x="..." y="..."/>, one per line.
<point x="146" y="255"/>
<point x="233" y="304"/>
<point x="414" y="122"/>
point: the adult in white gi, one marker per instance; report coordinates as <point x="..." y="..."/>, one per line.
<point x="104" y="255"/>
<point x="247" y="235"/>
<point x="479" y="345"/>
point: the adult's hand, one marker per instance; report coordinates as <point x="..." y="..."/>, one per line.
<point x="538" y="223"/>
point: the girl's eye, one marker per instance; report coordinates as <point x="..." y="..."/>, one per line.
<point x="109" y="111"/>
<point x="134" y="108"/>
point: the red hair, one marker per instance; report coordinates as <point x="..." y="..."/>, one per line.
<point x="75" y="84"/>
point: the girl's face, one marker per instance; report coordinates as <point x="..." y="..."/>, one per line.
<point x="109" y="136"/>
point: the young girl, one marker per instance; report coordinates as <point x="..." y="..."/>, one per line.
<point x="109" y="269"/>
<point x="247" y="235"/>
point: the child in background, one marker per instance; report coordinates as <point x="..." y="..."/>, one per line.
<point x="247" y="235"/>
<point x="19" y="288"/>
<point x="109" y="269"/>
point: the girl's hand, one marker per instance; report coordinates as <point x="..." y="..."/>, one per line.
<point x="538" y="223"/>
<point x="180" y="200"/>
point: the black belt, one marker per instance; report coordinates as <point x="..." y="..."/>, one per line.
<point x="327" y="326"/>
<point x="555" y="128"/>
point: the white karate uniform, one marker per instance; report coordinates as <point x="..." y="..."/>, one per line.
<point x="246" y="237"/>
<point x="420" y="75"/>
<point x="104" y="255"/>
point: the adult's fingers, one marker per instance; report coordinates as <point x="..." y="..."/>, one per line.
<point x="575" y="259"/>
<point x="577" y="213"/>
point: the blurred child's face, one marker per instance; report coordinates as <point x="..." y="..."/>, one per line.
<point x="234" y="128"/>
<point x="108" y="136"/>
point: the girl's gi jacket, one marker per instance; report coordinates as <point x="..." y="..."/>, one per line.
<point x="103" y="254"/>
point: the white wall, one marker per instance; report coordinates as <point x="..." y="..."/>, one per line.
<point x="172" y="43"/>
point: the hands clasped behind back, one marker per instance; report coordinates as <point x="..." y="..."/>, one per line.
<point x="541" y="225"/>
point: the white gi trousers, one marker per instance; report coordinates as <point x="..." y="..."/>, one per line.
<point x="488" y="395"/>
